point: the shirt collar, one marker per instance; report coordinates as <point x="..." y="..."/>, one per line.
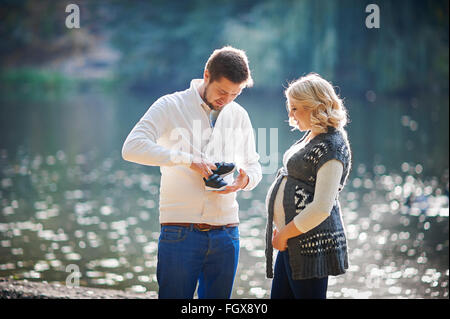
<point x="195" y="83"/>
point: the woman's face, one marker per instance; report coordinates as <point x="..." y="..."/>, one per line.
<point x="301" y="117"/>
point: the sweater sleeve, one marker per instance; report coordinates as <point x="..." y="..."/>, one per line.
<point x="249" y="158"/>
<point x="140" y="146"/>
<point x="326" y="190"/>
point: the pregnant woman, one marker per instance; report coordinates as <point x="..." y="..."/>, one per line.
<point x="303" y="200"/>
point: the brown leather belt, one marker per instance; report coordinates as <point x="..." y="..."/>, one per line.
<point x="201" y="227"/>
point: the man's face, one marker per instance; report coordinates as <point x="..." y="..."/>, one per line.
<point x="220" y="92"/>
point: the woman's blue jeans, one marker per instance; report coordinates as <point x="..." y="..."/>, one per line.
<point x="187" y="256"/>
<point x="284" y="287"/>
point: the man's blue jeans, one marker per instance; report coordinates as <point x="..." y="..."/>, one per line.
<point x="187" y="256"/>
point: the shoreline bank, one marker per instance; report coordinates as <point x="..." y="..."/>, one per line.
<point x="24" y="289"/>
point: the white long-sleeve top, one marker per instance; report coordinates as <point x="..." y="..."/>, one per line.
<point x="175" y="130"/>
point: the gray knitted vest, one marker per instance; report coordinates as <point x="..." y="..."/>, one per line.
<point x="322" y="251"/>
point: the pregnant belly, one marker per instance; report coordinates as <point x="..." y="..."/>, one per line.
<point x="278" y="210"/>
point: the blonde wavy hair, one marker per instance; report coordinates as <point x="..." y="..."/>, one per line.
<point x="312" y="92"/>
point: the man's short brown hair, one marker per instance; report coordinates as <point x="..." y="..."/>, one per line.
<point x="230" y="63"/>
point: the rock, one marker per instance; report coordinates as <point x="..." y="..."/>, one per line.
<point x="15" y="289"/>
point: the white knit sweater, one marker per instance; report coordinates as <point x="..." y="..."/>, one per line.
<point x="174" y="131"/>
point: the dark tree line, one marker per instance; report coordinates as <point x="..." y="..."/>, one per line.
<point x="166" y="42"/>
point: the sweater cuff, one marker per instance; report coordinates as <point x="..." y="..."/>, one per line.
<point x="298" y="224"/>
<point x="251" y="181"/>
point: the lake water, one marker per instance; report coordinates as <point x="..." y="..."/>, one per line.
<point x="68" y="198"/>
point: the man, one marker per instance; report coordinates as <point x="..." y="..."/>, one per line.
<point x="185" y="133"/>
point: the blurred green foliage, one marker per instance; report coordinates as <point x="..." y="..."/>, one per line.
<point x="169" y="42"/>
<point x="166" y="43"/>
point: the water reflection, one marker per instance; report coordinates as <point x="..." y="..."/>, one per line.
<point x="101" y="214"/>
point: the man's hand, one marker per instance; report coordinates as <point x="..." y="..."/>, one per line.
<point x="239" y="183"/>
<point x="203" y="168"/>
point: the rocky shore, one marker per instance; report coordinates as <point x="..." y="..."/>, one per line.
<point x="15" y="289"/>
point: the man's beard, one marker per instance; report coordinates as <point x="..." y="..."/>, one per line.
<point x="205" y="99"/>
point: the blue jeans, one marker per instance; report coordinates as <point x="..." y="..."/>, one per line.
<point x="284" y="287"/>
<point x="187" y="256"/>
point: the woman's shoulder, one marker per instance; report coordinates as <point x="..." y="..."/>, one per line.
<point x="332" y="144"/>
<point x="335" y="138"/>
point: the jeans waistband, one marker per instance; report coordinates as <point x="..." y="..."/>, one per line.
<point x="201" y="227"/>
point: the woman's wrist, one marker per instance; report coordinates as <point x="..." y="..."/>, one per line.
<point x="290" y="231"/>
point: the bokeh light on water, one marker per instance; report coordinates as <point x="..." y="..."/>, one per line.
<point x="68" y="99"/>
<point x="100" y="213"/>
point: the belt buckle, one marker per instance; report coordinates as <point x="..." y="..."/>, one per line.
<point x="208" y="228"/>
